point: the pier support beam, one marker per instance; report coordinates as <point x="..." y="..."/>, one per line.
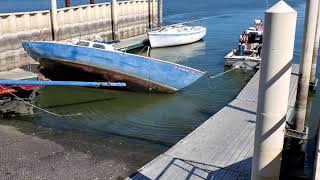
<point x="114" y="16"/>
<point x="306" y="61"/>
<point x="313" y="78"/>
<point x="160" y="5"/>
<point x="54" y="22"/>
<point x="67" y="3"/>
<point x="274" y="86"/>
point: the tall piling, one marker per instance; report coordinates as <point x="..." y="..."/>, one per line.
<point x="160" y="5"/>
<point x="150" y="13"/>
<point x="310" y="23"/>
<point x="114" y="16"/>
<point x="273" y="93"/>
<point x="54" y="22"/>
<point x="154" y="14"/>
<point x="313" y="78"/>
<point x="67" y="3"/>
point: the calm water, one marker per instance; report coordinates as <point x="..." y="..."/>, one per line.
<point x="153" y="118"/>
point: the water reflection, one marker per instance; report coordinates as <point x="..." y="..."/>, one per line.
<point x="179" y="53"/>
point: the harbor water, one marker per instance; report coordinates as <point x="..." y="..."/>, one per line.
<point x="144" y="123"/>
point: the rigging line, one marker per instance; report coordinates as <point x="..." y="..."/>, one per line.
<point x="142" y="50"/>
<point x="41" y="109"/>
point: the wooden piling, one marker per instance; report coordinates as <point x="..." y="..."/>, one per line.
<point x="150" y="13"/>
<point x="274" y="85"/>
<point x="114" y="16"/>
<point x="306" y="61"/>
<point x="160" y="5"/>
<point x="54" y="22"/>
<point x="67" y="3"/>
<point x="154" y="14"/>
<point x="92" y="1"/>
<point x="313" y="78"/>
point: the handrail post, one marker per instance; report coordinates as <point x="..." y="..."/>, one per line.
<point x="274" y="85"/>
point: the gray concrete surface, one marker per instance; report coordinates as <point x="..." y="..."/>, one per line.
<point x="33" y="152"/>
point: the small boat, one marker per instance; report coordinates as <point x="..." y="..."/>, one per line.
<point x="107" y="64"/>
<point x="176" y="35"/>
<point x="250" y="60"/>
<point x="250" y="57"/>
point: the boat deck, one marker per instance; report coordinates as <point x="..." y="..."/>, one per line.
<point x="131" y="43"/>
<point x="222" y="147"/>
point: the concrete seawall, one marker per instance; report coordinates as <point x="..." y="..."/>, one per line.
<point x="87" y="21"/>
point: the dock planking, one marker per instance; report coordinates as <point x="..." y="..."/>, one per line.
<point x="17" y="74"/>
<point x="131" y="43"/>
<point x="222" y="147"/>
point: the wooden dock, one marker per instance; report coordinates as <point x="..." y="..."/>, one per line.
<point x="17" y="74"/>
<point x="131" y="43"/>
<point x="222" y="147"/>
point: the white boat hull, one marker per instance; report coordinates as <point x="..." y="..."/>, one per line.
<point x="158" y="39"/>
<point x="246" y="62"/>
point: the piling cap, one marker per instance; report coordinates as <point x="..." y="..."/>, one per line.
<point x="281" y="7"/>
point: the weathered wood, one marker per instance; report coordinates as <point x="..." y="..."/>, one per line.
<point x="221" y="148"/>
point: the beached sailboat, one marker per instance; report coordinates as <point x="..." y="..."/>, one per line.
<point x="176" y="35"/>
<point x="113" y="66"/>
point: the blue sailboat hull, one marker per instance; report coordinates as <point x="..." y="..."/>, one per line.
<point x="137" y="71"/>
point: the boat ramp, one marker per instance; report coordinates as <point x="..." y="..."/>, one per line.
<point x="222" y="147"/>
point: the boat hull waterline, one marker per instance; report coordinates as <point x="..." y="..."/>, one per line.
<point x="137" y="71"/>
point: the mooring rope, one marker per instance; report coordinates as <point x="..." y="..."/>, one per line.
<point x="39" y="108"/>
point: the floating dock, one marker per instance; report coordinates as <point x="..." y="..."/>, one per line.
<point x="132" y="43"/>
<point x="222" y="147"/>
<point x="17" y="74"/>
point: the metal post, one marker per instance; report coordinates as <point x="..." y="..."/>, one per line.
<point x="67" y="3"/>
<point x="160" y="4"/>
<point x="54" y="22"/>
<point x="313" y="78"/>
<point x="273" y="94"/>
<point x="306" y="60"/>
<point x="114" y="16"/>
<point x="92" y="1"/>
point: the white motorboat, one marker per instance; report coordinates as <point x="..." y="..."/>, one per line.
<point x="176" y="35"/>
<point x="250" y="60"/>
